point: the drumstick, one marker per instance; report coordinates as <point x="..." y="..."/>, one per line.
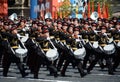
<point x="10" y="47"/>
<point x="21" y="42"/>
<point x="38" y="46"/>
<point x="51" y="43"/>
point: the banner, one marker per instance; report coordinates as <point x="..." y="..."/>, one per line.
<point x="88" y="14"/>
<point x="44" y="8"/>
<point x="77" y="8"/>
<point x="41" y="8"/>
<point x="3" y="8"/>
<point x="99" y="10"/>
<point x="33" y="9"/>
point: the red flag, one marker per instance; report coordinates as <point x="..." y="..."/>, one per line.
<point x="88" y="9"/>
<point x="5" y="9"/>
<point x="104" y="11"/>
<point x="92" y="6"/>
<point x="107" y="12"/>
<point x="99" y="10"/>
<point x="54" y="12"/>
<point x="1" y="9"/>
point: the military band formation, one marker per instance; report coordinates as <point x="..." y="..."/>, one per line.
<point x="55" y="43"/>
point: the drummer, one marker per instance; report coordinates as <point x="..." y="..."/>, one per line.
<point x="49" y="23"/>
<point x="116" y="38"/>
<point x="35" y="56"/>
<point x="71" y="58"/>
<point x="45" y="45"/>
<point x="101" y="55"/>
<point x="4" y="30"/>
<point x="93" y="37"/>
<point x="63" y="37"/>
<point x="9" y="56"/>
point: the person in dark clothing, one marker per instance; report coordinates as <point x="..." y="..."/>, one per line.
<point x="101" y="54"/>
<point x="70" y="55"/>
<point x="36" y="54"/>
<point x="116" y="38"/>
<point x="10" y="44"/>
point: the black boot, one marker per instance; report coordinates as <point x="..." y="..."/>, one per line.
<point x="88" y="71"/>
<point x="35" y="75"/>
<point x="110" y="73"/>
<point x="25" y="74"/>
<point x="55" y="74"/>
<point x="21" y="68"/>
<point x="83" y="74"/>
<point x="62" y="73"/>
<point x="81" y="70"/>
<point x="53" y="70"/>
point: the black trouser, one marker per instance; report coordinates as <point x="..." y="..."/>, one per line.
<point x="8" y="59"/>
<point x="86" y="58"/>
<point x="31" y="61"/>
<point x="78" y="63"/>
<point x="89" y="52"/>
<point x="100" y="56"/>
<point x="116" y="59"/>
<point x="0" y="54"/>
<point x="35" y="61"/>
<point x="51" y="67"/>
<point x="62" y="58"/>
<point x="34" y="64"/>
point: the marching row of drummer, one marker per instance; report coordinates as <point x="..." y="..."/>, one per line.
<point x="56" y="43"/>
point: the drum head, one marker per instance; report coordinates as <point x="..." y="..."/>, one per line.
<point x="80" y="53"/>
<point x="95" y="45"/>
<point x="52" y="54"/>
<point x="21" y="51"/>
<point x="109" y="49"/>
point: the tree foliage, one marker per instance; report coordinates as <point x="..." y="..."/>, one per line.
<point x="65" y="8"/>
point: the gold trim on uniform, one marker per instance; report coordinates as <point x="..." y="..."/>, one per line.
<point x="102" y="45"/>
<point x="74" y="48"/>
<point x="15" y="47"/>
<point x="45" y="49"/>
<point x="117" y="40"/>
<point x="4" y="38"/>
